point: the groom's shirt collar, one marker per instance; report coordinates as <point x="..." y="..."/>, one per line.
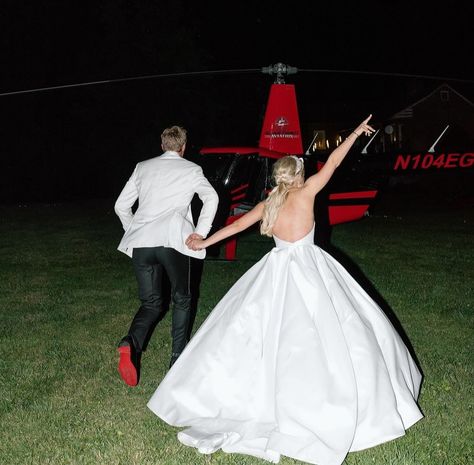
<point x="171" y="154"/>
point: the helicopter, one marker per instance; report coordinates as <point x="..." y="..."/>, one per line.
<point x="242" y="174"/>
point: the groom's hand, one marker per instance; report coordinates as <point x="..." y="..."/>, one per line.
<point x="196" y="244"/>
<point x="191" y="238"/>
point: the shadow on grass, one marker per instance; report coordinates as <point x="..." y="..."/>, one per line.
<point x="355" y="271"/>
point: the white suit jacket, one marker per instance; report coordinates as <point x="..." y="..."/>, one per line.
<point x="164" y="187"/>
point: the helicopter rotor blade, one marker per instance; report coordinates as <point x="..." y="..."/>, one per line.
<point x="290" y="70"/>
<point x="133" y="78"/>
<point x="387" y="74"/>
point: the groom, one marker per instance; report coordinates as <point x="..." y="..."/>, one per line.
<point x="155" y="240"/>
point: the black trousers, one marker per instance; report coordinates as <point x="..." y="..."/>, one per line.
<point x="149" y="264"/>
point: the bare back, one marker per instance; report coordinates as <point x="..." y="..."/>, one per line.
<point x="296" y="216"/>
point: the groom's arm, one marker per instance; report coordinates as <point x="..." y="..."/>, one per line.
<point x="237" y="226"/>
<point x="210" y="201"/>
<point x="126" y="199"/>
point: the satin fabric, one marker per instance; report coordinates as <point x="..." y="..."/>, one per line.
<point x="295" y="360"/>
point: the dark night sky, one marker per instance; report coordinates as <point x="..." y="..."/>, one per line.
<point x="53" y="42"/>
<point x="56" y="142"/>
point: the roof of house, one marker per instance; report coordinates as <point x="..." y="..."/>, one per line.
<point x="407" y="112"/>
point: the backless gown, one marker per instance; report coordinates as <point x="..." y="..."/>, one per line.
<point x="296" y="360"/>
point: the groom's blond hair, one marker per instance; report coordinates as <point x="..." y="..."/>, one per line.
<point x="173" y="138"/>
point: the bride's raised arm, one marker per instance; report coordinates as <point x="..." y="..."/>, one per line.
<point x="316" y="182"/>
<point x="237" y="226"/>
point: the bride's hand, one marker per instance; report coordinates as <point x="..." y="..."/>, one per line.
<point x="364" y="128"/>
<point x="195" y="244"/>
<point x="192" y="237"/>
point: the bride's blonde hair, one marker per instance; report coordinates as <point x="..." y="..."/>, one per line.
<point x="287" y="171"/>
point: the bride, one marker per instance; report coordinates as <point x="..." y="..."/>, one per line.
<point x="296" y="359"/>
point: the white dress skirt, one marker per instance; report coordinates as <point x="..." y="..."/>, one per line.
<point x="295" y="360"/>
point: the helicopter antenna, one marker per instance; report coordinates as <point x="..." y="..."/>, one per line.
<point x="432" y="148"/>
<point x="279" y="69"/>
<point x="312" y="142"/>
<point x="364" y="150"/>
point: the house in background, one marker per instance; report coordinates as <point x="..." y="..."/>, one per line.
<point x="444" y="116"/>
<point x="444" y="113"/>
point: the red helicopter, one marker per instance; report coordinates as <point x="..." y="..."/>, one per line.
<point x="242" y="175"/>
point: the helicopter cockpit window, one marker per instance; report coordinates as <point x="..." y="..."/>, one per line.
<point x="258" y="181"/>
<point x="240" y="171"/>
<point x="215" y="167"/>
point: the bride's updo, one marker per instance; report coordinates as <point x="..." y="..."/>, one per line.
<point x="288" y="172"/>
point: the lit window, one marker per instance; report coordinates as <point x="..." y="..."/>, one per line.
<point x="319" y="142"/>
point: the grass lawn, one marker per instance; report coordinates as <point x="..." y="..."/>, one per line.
<point x="67" y="296"/>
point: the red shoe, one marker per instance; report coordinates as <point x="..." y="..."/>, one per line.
<point x="129" y="365"/>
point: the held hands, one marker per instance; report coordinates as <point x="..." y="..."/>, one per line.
<point x="364" y="128"/>
<point x="195" y="242"/>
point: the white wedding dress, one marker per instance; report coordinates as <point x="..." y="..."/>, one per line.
<point x="295" y="360"/>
